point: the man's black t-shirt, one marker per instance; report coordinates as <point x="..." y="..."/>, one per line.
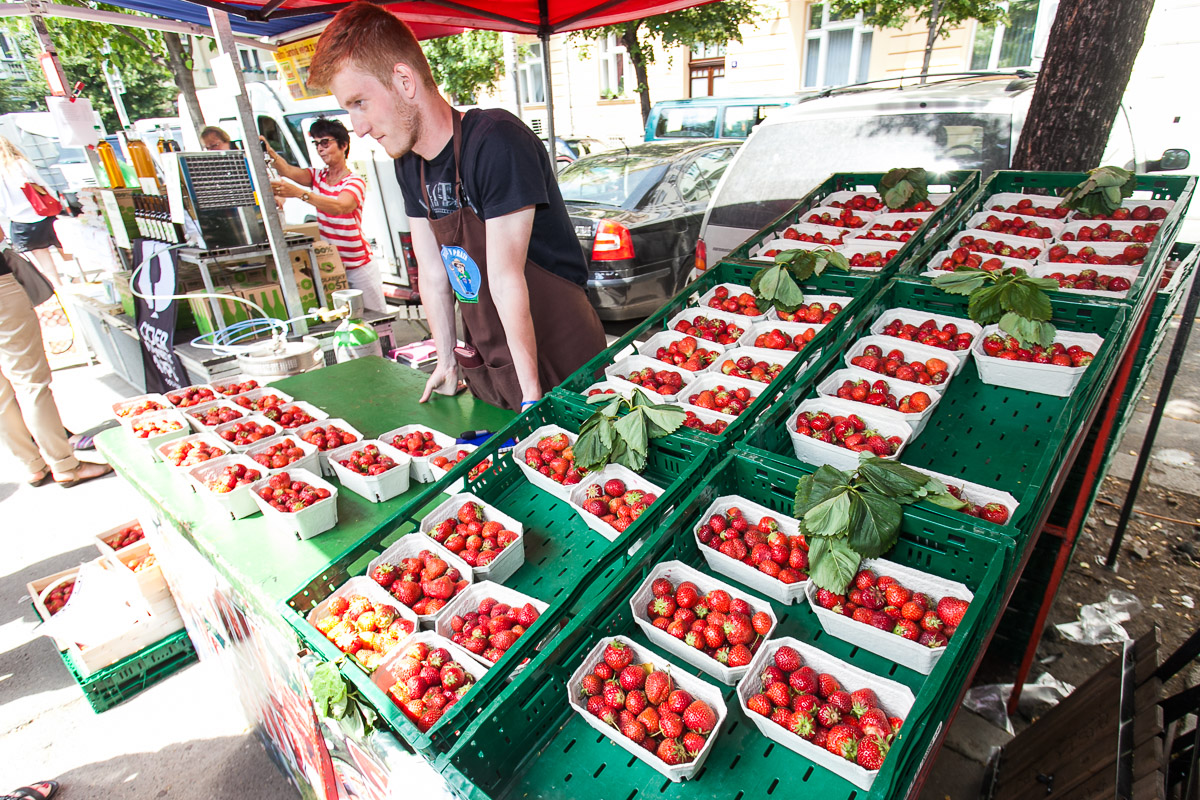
<point x="505" y="168"/>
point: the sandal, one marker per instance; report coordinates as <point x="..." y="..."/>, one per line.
<point x="105" y="469"/>
<point x="33" y="792"/>
<point x="42" y="480"/>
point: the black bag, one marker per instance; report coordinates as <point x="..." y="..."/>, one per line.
<point x="35" y="284"/>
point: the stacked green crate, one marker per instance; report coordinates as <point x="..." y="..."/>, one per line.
<point x="563" y="556"/>
<point x="528" y="742"/>
<point x="114" y="684"/>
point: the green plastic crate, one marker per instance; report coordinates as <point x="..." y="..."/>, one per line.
<point x="1007" y="439"/>
<point x="528" y="743"/>
<point x="962" y="185"/>
<point x="563" y="557"/>
<point x="1179" y="188"/>
<point x="113" y="685"/>
<point x="859" y="289"/>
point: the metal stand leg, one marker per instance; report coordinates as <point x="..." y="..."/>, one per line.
<point x="1164" y="394"/>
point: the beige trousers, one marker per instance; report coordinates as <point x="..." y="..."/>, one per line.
<point x="30" y="426"/>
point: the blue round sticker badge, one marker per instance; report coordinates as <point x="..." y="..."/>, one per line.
<point x="463" y="273"/>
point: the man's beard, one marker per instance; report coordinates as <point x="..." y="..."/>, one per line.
<point x="410" y="120"/>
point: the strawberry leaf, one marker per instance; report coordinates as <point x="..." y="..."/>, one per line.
<point x="939" y="495"/>
<point x="985" y="306"/>
<point x="1027" y="331"/>
<point x="632" y="430"/>
<point x="812" y="489"/>
<point x="832" y="564"/>
<point x="874" y="523"/>
<point x="329" y="690"/>
<point x="963" y="280"/>
<point x="890" y="478"/>
<point x="776" y="286"/>
<point x="903" y="188"/>
<point x="1025" y="299"/>
<point x="1101" y="192"/>
<point x="662" y="420"/>
<point x="831" y="516"/>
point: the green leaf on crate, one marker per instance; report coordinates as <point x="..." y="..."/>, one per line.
<point x="831" y="516"/>
<point x="812" y="489"/>
<point x="875" y="524"/>
<point x="803" y="264"/>
<point x="985" y="306"/>
<point x="1027" y="331"/>
<point x="329" y="690"/>
<point x="663" y="420"/>
<point x="963" y="280"/>
<point x="776" y="287"/>
<point x="1101" y="192"/>
<point x="632" y="429"/>
<point x="939" y="495"/>
<point x="903" y="188"/>
<point x="1027" y="300"/>
<point x="831" y="563"/>
<point x="890" y="478"/>
<point x="591" y="449"/>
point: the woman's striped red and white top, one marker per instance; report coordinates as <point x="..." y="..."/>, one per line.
<point x="343" y="231"/>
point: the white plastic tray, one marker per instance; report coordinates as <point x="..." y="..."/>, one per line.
<point x="469" y="599"/>
<point x="832" y="232"/>
<point x="677" y="572"/>
<point x="976" y="493"/>
<point x="786" y="593"/>
<point x="1044" y="269"/>
<point x="913" y="351"/>
<point x="1132" y="203"/>
<point x="1030" y="376"/>
<point x="536" y="478"/>
<point x="408" y="546"/>
<point x="241" y="448"/>
<point x="1117" y="225"/>
<point x="117" y="407"/>
<point x="832" y="382"/>
<point x="207" y="438"/>
<point x="360" y="584"/>
<point x="420" y="470"/>
<point x="250" y="399"/>
<point x="510" y="559"/>
<point x="193" y="413"/>
<point x="452" y="450"/>
<point x="308" y="461"/>
<point x="1054" y="226"/>
<point x="375" y="488"/>
<point x="622" y="368"/>
<point x="238" y="503"/>
<point x="1007" y="199"/>
<point x="340" y="424"/>
<point x="307" y="522"/>
<point x="897" y="700"/>
<point x="890" y="218"/>
<point x="811" y="451"/>
<point x="734" y="290"/>
<point x="153" y="442"/>
<point x="689" y="315"/>
<point x="1108" y="249"/>
<point x="697" y="688"/>
<point x="937" y="198"/>
<point x="1014" y="241"/>
<point x="781" y="357"/>
<point x="623" y="388"/>
<point x="178" y="393"/>
<point x="916" y="317"/>
<point x="632" y="481"/>
<point x="711" y="381"/>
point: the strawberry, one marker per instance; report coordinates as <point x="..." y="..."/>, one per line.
<point x="687" y="595"/>
<point x="787" y="659"/>
<point x="804" y="681"/>
<point x="870" y="753"/>
<point x="658" y="687"/>
<point x="678" y="700"/>
<point x="843" y="741"/>
<point x="614" y="695"/>
<point x="907" y="629"/>
<point x="827" y="684"/>
<point x="828" y="715"/>
<point x="739" y="655"/>
<point x="618" y="656"/>
<point x="649" y="719"/>
<point x="693" y="743"/>
<point x="862" y="701"/>
<point x="661" y="587"/>
<point x="995" y="512"/>
<point x="634" y="730"/>
<point x="670" y="723"/>
<point x="874" y="723"/>
<point x="718" y="600"/>
<point x="698" y="717"/>
<point x="951" y="611"/>
<point x="803" y="725"/>
<point x="760" y="704"/>
<point x="671" y="752"/>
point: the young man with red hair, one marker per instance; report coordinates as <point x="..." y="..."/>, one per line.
<point x="488" y="223"/>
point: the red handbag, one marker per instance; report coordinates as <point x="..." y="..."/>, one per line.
<point x="42" y="201"/>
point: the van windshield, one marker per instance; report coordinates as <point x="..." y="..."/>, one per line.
<point x="619" y="179"/>
<point x="779" y="164"/>
<point x="687" y="122"/>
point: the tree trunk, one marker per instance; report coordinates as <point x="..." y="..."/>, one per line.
<point x="935" y="11"/>
<point x="178" y="62"/>
<point x="634" y="48"/>
<point x="1089" y="57"/>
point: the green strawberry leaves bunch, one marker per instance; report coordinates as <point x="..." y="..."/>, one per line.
<point x="606" y="438"/>
<point x="335" y="701"/>
<point x="902" y="188"/>
<point x="779" y="285"/>
<point x="1017" y="302"/>
<point x="1101" y="192"/>
<point x="849" y="516"/>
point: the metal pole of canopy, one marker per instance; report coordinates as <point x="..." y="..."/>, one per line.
<point x="551" y="142"/>
<point x="258" y="172"/>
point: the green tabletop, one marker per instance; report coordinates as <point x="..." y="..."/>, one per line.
<point x="372" y="394"/>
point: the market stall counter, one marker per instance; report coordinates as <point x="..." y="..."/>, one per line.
<point x="229" y="575"/>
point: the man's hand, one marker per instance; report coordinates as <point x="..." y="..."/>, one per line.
<point x="444" y="380"/>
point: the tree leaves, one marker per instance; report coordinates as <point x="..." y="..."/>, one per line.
<point x="903" y="188"/>
<point x="1101" y="192"/>
<point x="1016" y="301"/>
<point x="832" y="564"/>
<point x="466" y="64"/>
<point x="605" y="438"/>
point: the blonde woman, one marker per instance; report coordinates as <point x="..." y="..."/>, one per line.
<point x="28" y="230"/>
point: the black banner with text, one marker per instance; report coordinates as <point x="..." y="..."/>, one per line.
<point x="155" y="279"/>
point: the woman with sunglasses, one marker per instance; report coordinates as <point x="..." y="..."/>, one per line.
<point x="337" y="194"/>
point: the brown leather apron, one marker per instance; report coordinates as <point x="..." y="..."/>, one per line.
<point x="566" y="328"/>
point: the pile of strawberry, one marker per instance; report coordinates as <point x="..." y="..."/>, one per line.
<point x="260" y="403"/>
<point x="248" y="432"/>
<point x="743" y="303"/>
<point x="979" y="244"/>
<point x="363" y="629"/>
<point x="328" y="437"/>
<point x="289" y="417"/>
<point x="416" y="443"/>
<point x="1015" y="227"/>
<point x="448" y="463"/>
<point x="816" y="708"/>
<point x="1026" y="207"/>
<point x="644" y="705"/>
<point x="876" y="259"/>
<point x="909" y="224"/>
<point x="145" y="428"/>
<point x="947" y="337"/>
<point x="472" y="536"/>
<point x="849" y="431"/>
<point x="279" y="454"/>
<point x="1089" y="279"/>
<point x="930" y="372"/>
<point x="140" y="407"/>
<point x="59" y="597"/>
<point x="992" y="512"/>
<point x="554" y="457"/>
<point x="368" y="461"/>
<point x="126" y="536"/>
<point x="1131" y="256"/>
<point x="685" y="353"/>
<point x="601" y="391"/>
<point x="962" y="257"/>
<point x="883" y="234"/>
<point x="714" y="330"/>
<point x="747" y="367"/>
<point x="775" y="339"/>
<point x="761" y="544"/>
<point x="230" y="389"/>
<point x="662" y="381"/>
<point x="862" y="202"/>
<point x="880" y="393"/>
<point x="816" y="238"/>
<point x="231" y="477"/>
<point x="424" y="583"/>
<point x="217" y="415"/>
<point x="726" y="401"/>
<point x="1135" y="213"/>
<point x="848" y="218"/>
<point x="428" y="681"/>
<point x="883" y="603"/>
<point x="287" y="495"/>
<point x="191" y="396"/>
<point x="492" y="628"/>
<point x="142" y="564"/>
<point x="616" y="504"/>
<point x="813" y="313"/>
<point x="1107" y="233"/>
<point x="724" y="628"/>
<point x="189" y="454"/>
<point x="1010" y="349"/>
<point x="716" y="427"/>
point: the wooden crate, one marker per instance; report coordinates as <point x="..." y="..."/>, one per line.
<point x="104" y="541"/>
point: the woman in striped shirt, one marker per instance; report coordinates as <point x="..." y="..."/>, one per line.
<point x="337" y="194"/>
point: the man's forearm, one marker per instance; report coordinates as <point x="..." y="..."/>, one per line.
<point x="437" y="299"/>
<point x="507" y="249"/>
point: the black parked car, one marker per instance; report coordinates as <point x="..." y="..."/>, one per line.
<point x="637" y="213"/>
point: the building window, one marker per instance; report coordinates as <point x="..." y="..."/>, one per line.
<point x="837" y="48"/>
<point x="530" y="75"/>
<point x="706" y="70"/>
<point x="611" y="62"/>
<point x="1007" y="46"/>
<point x="12" y="65"/>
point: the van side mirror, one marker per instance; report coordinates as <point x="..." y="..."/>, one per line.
<point x="1174" y="159"/>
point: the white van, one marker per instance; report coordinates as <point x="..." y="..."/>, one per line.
<point x="971" y="122"/>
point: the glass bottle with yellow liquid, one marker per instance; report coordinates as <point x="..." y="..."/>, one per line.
<point x="139" y="153"/>
<point x="112" y="170"/>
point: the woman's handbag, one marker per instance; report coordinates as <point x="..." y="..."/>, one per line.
<point x="42" y="201"/>
<point x="30" y="277"/>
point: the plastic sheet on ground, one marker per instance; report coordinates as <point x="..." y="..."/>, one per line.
<point x="1100" y="623"/>
<point x="991" y="701"/>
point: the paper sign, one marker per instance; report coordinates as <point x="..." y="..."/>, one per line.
<point x="75" y="121"/>
<point x="170" y="168"/>
<point x="113" y="209"/>
<point x="226" y="75"/>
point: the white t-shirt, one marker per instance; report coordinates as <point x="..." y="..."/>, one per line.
<point x="13" y="203"/>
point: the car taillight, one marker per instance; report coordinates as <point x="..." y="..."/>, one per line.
<point x="612" y="242"/>
<point x="701" y="255"/>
